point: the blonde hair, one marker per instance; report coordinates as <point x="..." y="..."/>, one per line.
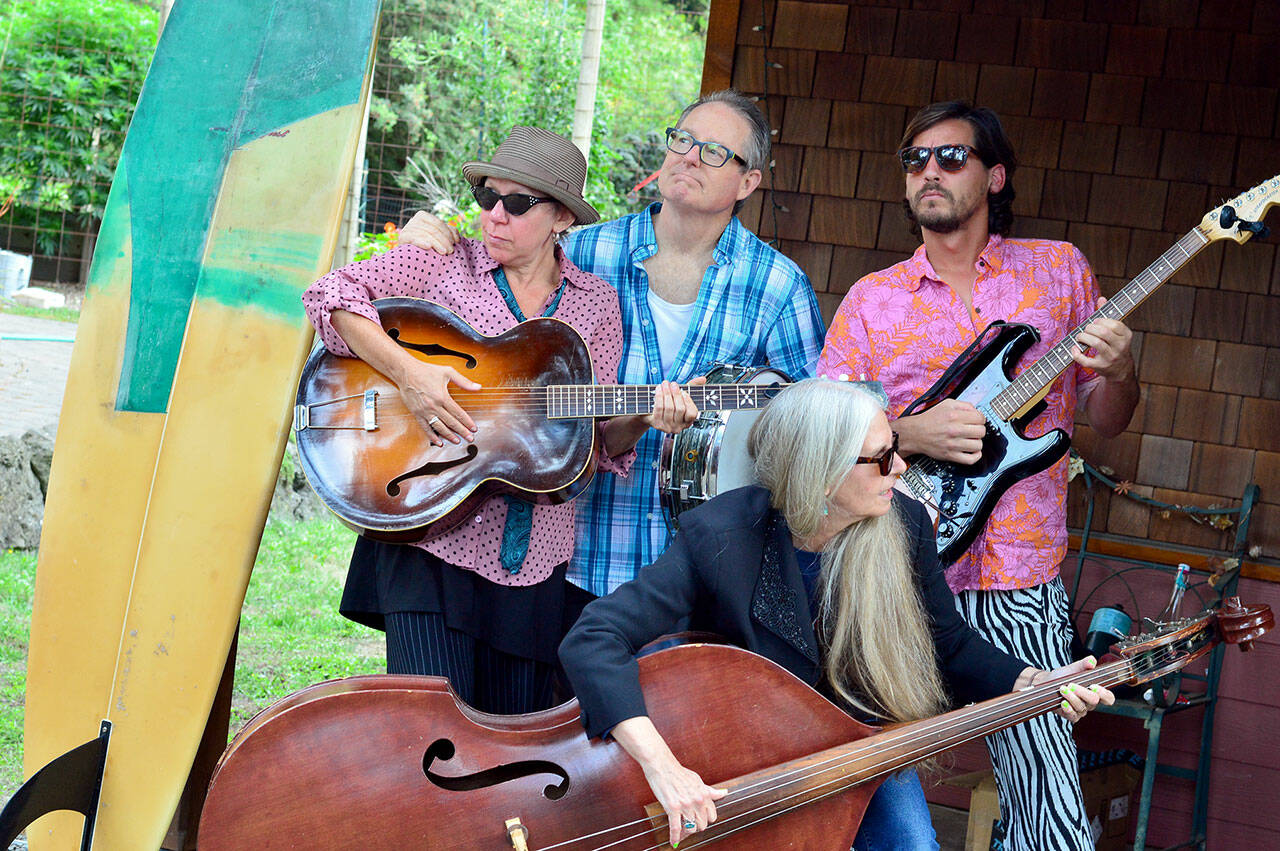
<point x="880" y="656"/>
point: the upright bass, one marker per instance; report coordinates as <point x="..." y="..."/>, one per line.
<point x="399" y="762"/>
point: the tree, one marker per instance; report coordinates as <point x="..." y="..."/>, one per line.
<point x="456" y="81"/>
<point x="71" y="72"/>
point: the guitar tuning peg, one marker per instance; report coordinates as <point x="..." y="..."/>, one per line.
<point x="1258" y="229"/>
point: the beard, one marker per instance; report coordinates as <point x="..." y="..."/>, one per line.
<point x="944" y="219"/>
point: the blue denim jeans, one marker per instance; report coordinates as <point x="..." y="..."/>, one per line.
<point x="897" y="818"/>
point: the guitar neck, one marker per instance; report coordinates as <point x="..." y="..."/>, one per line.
<point x="565" y="401"/>
<point x="1031" y="382"/>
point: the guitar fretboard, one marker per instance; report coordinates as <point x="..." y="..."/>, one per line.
<point x="575" y="400"/>
<point x="1051" y="364"/>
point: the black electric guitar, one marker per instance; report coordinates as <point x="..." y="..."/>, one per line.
<point x="961" y="497"/>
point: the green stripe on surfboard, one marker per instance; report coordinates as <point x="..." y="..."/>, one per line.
<point x="279" y="67"/>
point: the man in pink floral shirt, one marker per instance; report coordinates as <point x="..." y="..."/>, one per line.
<point x="903" y="326"/>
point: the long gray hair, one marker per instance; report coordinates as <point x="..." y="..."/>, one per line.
<point x="880" y="656"/>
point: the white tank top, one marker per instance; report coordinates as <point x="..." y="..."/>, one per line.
<point x="671" y="322"/>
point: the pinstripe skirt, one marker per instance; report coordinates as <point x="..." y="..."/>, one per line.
<point x="1035" y="762"/>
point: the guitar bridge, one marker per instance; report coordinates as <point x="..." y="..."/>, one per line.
<point x="371" y="410"/>
<point x="368" y="414"/>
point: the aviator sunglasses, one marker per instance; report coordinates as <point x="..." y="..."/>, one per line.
<point x="884" y="459"/>
<point x="950" y="157"/>
<point x="516" y="204"/>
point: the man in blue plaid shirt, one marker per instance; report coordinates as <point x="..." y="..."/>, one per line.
<point x="696" y="289"/>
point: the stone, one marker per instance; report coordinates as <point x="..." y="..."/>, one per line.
<point x="293" y="498"/>
<point x="21" y="495"/>
<point x="39" y="297"/>
<point x="39" y="442"/>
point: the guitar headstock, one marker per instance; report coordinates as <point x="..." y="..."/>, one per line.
<point x="1167" y="647"/>
<point x="1240" y="624"/>
<point x="1225" y="221"/>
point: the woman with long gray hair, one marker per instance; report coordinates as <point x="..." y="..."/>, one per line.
<point x="875" y="628"/>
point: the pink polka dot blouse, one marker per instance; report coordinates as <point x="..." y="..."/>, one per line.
<point x="463" y="282"/>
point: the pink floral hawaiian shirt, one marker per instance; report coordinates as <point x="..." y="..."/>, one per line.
<point x="903" y="326"/>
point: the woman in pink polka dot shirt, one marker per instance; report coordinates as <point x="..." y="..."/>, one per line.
<point x="485" y="603"/>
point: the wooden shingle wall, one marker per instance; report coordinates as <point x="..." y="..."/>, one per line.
<point x="1131" y="118"/>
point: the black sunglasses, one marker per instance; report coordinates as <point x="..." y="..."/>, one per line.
<point x="517" y="203"/>
<point x="950" y="157"/>
<point x="884" y="459"/>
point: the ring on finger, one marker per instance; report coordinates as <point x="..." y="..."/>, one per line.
<point x="690" y="824"/>
<point x="435" y="418"/>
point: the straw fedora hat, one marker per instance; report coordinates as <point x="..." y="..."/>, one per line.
<point x="541" y="160"/>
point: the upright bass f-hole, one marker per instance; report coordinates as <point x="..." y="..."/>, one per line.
<point x="431" y="468"/>
<point x="443" y="750"/>
<point x="469" y="361"/>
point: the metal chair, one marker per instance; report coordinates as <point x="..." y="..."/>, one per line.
<point x="1166" y="696"/>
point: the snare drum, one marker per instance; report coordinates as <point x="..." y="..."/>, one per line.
<point x="710" y="456"/>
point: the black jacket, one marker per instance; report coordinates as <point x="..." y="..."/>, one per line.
<point x="732" y="570"/>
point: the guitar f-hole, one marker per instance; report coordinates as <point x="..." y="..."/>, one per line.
<point x="429" y="349"/>
<point x="431" y="468"/>
<point x="443" y="750"/>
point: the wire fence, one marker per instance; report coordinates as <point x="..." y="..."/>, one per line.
<point x="66" y="96"/>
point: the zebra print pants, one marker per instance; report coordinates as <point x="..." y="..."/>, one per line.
<point x="1035" y="762"/>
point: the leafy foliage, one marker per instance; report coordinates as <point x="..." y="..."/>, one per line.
<point x="456" y="85"/>
<point x="71" y="72"/>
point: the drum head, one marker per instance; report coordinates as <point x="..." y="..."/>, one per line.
<point x="710" y="457"/>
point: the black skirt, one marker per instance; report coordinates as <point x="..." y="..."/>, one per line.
<point x="525" y="621"/>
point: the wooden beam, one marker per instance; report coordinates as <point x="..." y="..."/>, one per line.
<point x="722" y="35"/>
<point x="1171" y="554"/>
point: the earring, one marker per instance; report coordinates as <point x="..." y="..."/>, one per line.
<point x="825" y="510"/>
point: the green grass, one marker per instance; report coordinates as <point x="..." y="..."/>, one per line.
<point x="62" y="314"/>
<point x="291" y="634"/>
<point x="17" y="578"/>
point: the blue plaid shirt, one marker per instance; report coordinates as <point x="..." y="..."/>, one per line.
<point x="754" y="307"/>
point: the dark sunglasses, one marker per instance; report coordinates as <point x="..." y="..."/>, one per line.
<point x="516" y="204"/>
<point x="950" y="157"/>
<point x="884" y="459"/>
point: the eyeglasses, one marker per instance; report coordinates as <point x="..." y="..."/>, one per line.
<point x="950" y="157"/>
<point x="516" y="204"/>
<point x="884" y="459"/>
<point x="712" y="153"/>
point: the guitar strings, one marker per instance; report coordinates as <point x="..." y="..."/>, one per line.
<point x="773" y="784"/>
<point x="391" y="407"/>
<point x="838" y="784"/>
<point x="975" y="726"/>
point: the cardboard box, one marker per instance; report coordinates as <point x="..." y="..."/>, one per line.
<point x="1108" y="801"/>
<point x="984" y="808"/>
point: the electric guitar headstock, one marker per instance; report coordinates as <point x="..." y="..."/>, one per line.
<point x="1241" y="217"/>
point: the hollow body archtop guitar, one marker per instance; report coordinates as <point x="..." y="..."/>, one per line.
<point x="371" y="463"/>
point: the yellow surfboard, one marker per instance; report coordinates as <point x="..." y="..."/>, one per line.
<point x="225" y="206"/>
